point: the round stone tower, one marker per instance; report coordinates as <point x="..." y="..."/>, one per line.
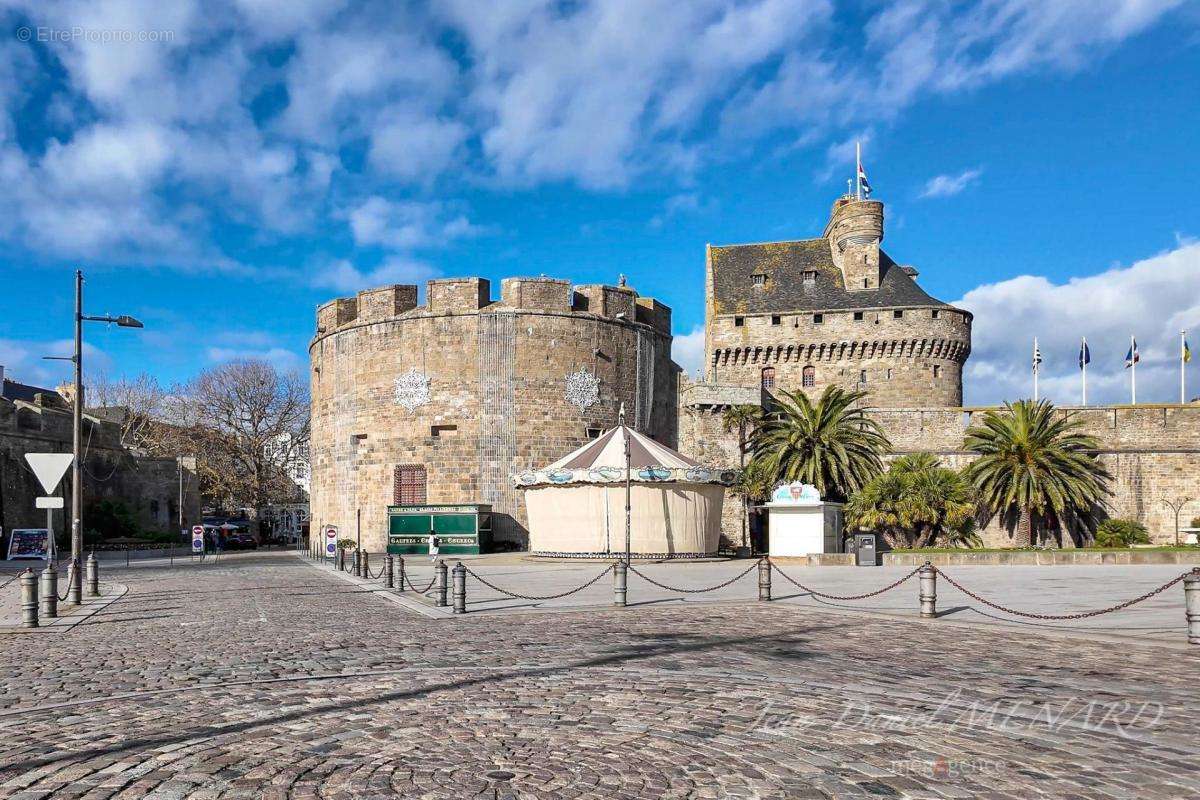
<point x="442" y="403"/>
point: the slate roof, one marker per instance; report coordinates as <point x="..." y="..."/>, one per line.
<point x="12" y="390"/>
<point x="784" y="263"/>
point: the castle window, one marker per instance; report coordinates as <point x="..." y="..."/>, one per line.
<point x="818" y="319"/>
<point x="808" y="377"/>
<point x="775" y="319"/>
<point x="594" y="433"/>
<point x="898" y="313"/>
<point x="862" y="376"/>
<point x="858" y="316"/>
<point x="935" y="314"/>
<point x="865" y="283"/>
<point x="438" y="431"/>
<point x="889" y="373"/>
<point x="739" y="322"/>
<point x="760" y="279"/>
<point x="810" y="276"/>
<point x="937" y="371"/>
<point x="408" y="487"/>
<point x="768" y="378"/>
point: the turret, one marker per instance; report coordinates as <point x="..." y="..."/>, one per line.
<point x="854" y="232"/>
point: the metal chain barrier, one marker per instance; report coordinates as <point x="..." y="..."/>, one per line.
<point x="815" y="593"/>
<point x="494" y="587"/>
<point x="13" y="578"/>
<point x="734" y="579"/>
<point x="414" y="588"/>
<point x="1080" y="615"/>
<point x="70" y="579"/>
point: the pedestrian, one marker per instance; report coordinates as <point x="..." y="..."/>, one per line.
<point x="434" y="543"/>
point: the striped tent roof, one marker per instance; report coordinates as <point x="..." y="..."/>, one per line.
<point x="609" y="451"/>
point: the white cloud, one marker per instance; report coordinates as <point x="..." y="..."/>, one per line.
<point x="1154" y="298"/>
<point x="950" y="185"/>
<point x="407" y="225"/>
<point x="22" y="360"/>
<point x="688" y="351"/>
<point x="414" y="147"/>
<point x="342" y="276"/>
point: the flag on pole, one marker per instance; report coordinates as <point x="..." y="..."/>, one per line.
<point x="1085" y="355"/>
<point x="1037" y="353"/>
<point x="862" y="180"/>
<point x="1187" y="352"/>
<point x="1132" y="357"/>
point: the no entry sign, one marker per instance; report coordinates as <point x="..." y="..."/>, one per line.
<point x="198" y="539"/>
<point x="331" y="540"/>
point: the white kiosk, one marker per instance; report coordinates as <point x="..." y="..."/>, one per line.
<point x="801" y="523"/>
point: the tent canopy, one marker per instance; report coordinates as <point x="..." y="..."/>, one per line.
<point x="602" y="460"/>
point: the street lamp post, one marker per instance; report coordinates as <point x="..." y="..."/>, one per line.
<point x="75" y="592"/>
<point x="1177" y="506"/>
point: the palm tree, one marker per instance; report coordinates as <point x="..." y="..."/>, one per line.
<point x="915" y="503"/>
<point x="1037" y="465"/>
<point x="744" y="419"/>
<point x="831" y="444"/>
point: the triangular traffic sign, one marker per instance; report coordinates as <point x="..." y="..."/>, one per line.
<point x="49" y="468"/>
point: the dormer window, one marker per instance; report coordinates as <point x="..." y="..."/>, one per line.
<point x="809" y="276"/>
<point x="759" y="279"/>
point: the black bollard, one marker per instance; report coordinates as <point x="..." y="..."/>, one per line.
<point x="460" y="588"/>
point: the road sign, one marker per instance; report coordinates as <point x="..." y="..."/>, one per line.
<point x="198" y="539"/>
<point x="49" y="502"/>
<point x="331" y="534"/>
<point x="49" y="468"/>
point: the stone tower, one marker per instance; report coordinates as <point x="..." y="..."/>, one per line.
<point x="805" y="314"/>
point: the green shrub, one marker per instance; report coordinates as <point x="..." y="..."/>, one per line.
<point x="1195" y="522"/>
<point x="1121" y="533"/>
<point x="346" y="544"/>
<point x="110" y="519"/>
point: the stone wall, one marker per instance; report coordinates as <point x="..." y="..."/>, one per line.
<point x="1152" y="451"/>
<point x="149" y="487"/>
<point x="914" y="359"/>
<point x="497" y="402"/>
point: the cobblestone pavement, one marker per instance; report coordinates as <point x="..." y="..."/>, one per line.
<point x="262" y="677"/>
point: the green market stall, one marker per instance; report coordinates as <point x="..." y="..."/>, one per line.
<point x="461" y="529"/>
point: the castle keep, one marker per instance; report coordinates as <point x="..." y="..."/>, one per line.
<point x="442" y="403"/>
<point x="832" y="311"/>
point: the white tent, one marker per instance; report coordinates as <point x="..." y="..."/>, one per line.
<point x="576" y="506"/>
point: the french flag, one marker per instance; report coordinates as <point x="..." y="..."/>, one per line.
<point x="862" y="180"/>
<point x="1132" y="357"/>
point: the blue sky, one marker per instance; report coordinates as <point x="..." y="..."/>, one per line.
<point x="219" y="171"/>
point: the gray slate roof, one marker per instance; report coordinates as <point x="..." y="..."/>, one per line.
<point x="12" y="390"/>
<point x="784" y="264"/>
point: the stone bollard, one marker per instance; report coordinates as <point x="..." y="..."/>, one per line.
<point x="93" y="576"/>
<point x="400" y="571"/>
<point x="764" y="580"/>
<point x="440" y="584"/>
<point x="50" y="592"/>
<point x="928" y="576"/>
<point x="341" y="559"/>
<point x="389" y="571"/>
<point x="75" y="584"/>
<point x="460" y="588"/>
<point x="29" y="599"/>
<point x="1191" y="598"/>
<point x="366" y="565"/>
<point x="358" y="563"/>
<point x="620" y="586"/>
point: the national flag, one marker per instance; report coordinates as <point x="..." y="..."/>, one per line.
<point x="1037" y="353"/>
<point x="1133" y="356"/>
<point x="862" y="180"/>
<point x="1187" y="352"/>
<point x="1085" y="355"/>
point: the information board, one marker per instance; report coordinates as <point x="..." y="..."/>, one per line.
<point x="28" y="543"/>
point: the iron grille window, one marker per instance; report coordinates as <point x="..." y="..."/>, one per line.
<point x="768" y="378"/>
<point x="808" y="378"/>
<point x="409" y="488"/>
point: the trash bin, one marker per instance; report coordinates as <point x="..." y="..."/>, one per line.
<point x="864" y="548"/>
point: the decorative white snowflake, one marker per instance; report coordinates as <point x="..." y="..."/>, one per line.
<point x="583" y="389"/>
<point x="412" y="389"/>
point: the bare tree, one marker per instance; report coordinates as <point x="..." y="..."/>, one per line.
<point x="136" y="404"/>
<point x="249" y="426"/>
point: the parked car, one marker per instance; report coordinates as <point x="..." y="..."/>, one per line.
<point x="240" y="541"/>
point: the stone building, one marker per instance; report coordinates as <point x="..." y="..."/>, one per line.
<point x="440" y="403"/>
<point x="34" y="419"/>
<point x="801" y="315"/>
<point x="835" y="310"/>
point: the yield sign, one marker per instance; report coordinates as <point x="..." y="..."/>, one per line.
<point x="49" y="468"/>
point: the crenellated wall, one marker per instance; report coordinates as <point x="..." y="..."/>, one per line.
<point x="1152" y="451"/>
<point x="497" y="402"/>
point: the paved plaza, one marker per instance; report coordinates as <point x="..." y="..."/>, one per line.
<point x="265" y="676"/>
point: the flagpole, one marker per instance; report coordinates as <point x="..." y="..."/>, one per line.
<point x="1035" y="370"/>
<point x="1083" y="367"/>
<point x="1133" y="359"/>
<point x="1182" y="367"/>
<point x="858" y="170"/>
